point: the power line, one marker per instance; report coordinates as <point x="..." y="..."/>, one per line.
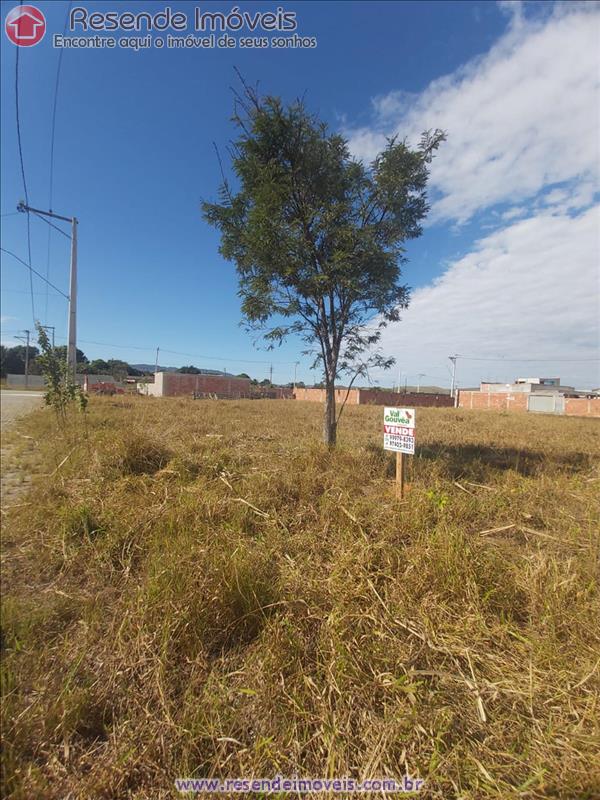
<point x="188" y="355"/>
<point x="22" y="291"/>
<point x="24" y="179"/>
<point x="118" y="346"/>
<point x="220" y="358"/>
<point x="531" y="360"/>
<point x="52" y="138"/>
<point x="52" y="225"/>
<point x="31" y="269"/>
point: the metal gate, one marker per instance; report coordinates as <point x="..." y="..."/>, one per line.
<point x="546" y="403"/>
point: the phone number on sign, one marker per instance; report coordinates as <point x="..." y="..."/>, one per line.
<point x="405" y="444"/>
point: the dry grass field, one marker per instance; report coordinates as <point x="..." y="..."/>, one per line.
<point x="202" y="589"/>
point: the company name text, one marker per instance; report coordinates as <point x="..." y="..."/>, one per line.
<point x="81" y="20"/>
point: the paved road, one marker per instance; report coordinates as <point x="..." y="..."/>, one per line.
<point x="15" y="404"/>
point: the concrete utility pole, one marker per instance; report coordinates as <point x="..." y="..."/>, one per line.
<point x="26" y="340"/>
<point x="27" y="361"/>
<point x="72" y="344"/>
<point x="72" y="335"/>
<point x="156" y="362"/>
<point x="295" y="372"/>
<point x="271" y="375"/>
<point x="453" y="388"/>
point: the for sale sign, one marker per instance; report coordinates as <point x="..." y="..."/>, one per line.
<point x="399" y="430"/>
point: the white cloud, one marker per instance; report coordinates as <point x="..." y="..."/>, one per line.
<point x="520" y="119"/>
<point x="513" y="8"/>
<point x="529" y="290"/>
<point x="514" y="213"/>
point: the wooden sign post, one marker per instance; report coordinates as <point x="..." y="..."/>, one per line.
<point x="399" y="436"/>
<point x="399" y="474"/>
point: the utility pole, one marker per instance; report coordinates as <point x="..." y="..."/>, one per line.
<point x="271" y="375"/>
<point x="72" y="335"/>
<point x="72" y="344"/>
<point x="26" y="340"/>
<point x="27" y="361"/>
<point x="156" y="362"/>
<point x="453" y="388"/>
<point x="295" y="372"/>
<point x="419" y="376"/>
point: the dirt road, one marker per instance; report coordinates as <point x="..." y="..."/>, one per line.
<point x="13" y="480"/>
<point x="14" y="404"/>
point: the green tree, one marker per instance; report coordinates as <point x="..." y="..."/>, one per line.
<point x="117" y="368"/>
<point x="60" y="389"/>
<point x="13" y="360"/>
<point x="96" y="367"/>
<point x="317" y="237"/>
<point x="61" y="352"/>
<point x="191" y="370"/>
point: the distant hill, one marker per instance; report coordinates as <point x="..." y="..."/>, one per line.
<point x="150" y="368"/>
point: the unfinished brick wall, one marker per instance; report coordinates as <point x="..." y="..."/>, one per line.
<point x="274" y="393"/>
<point x="582" y="406"/>
<point x="499" y="401"/>
<point x="375" y="398"/>
<point x="505" y="401"/>
<point x="411" y="399"/>
<point x="177" y="384"/>
<point x="318" y="395"/>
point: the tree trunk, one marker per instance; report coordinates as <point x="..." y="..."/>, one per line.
<point x="329" y="421"/>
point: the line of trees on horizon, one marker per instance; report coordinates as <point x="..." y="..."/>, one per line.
<point x="12" y="362"/>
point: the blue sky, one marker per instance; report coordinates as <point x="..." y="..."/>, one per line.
<point x="507" y="267"/>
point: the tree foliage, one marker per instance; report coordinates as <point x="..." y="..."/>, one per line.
<point x="61" y="353"/>
<point x="190" y="370"/>
<point x="12" y="360"/>
<point x="61" y="391"/>
<point x="317" y="237"/>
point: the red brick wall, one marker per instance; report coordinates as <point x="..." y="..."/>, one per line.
<point x="411" y="399"/>
<point x="177" y="384"/>
<point x="582" y="406"/>
<point x="372" y="397"/>
<point x="505" y="401"/>
<point x="499" y="401"/>
<point x="273" y="393"/>
<point x="318" y="395"/>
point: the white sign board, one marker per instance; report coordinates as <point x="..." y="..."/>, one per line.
<point x="399" y="430"/>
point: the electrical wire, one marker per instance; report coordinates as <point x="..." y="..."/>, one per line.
<point x="531" y="360"/>
<point x="51" y="224"/>
<point x="221" y="358"/>
<point x="20" y="144"/>
<point x="31" y="269"/>
<point x="52" y="140"/>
